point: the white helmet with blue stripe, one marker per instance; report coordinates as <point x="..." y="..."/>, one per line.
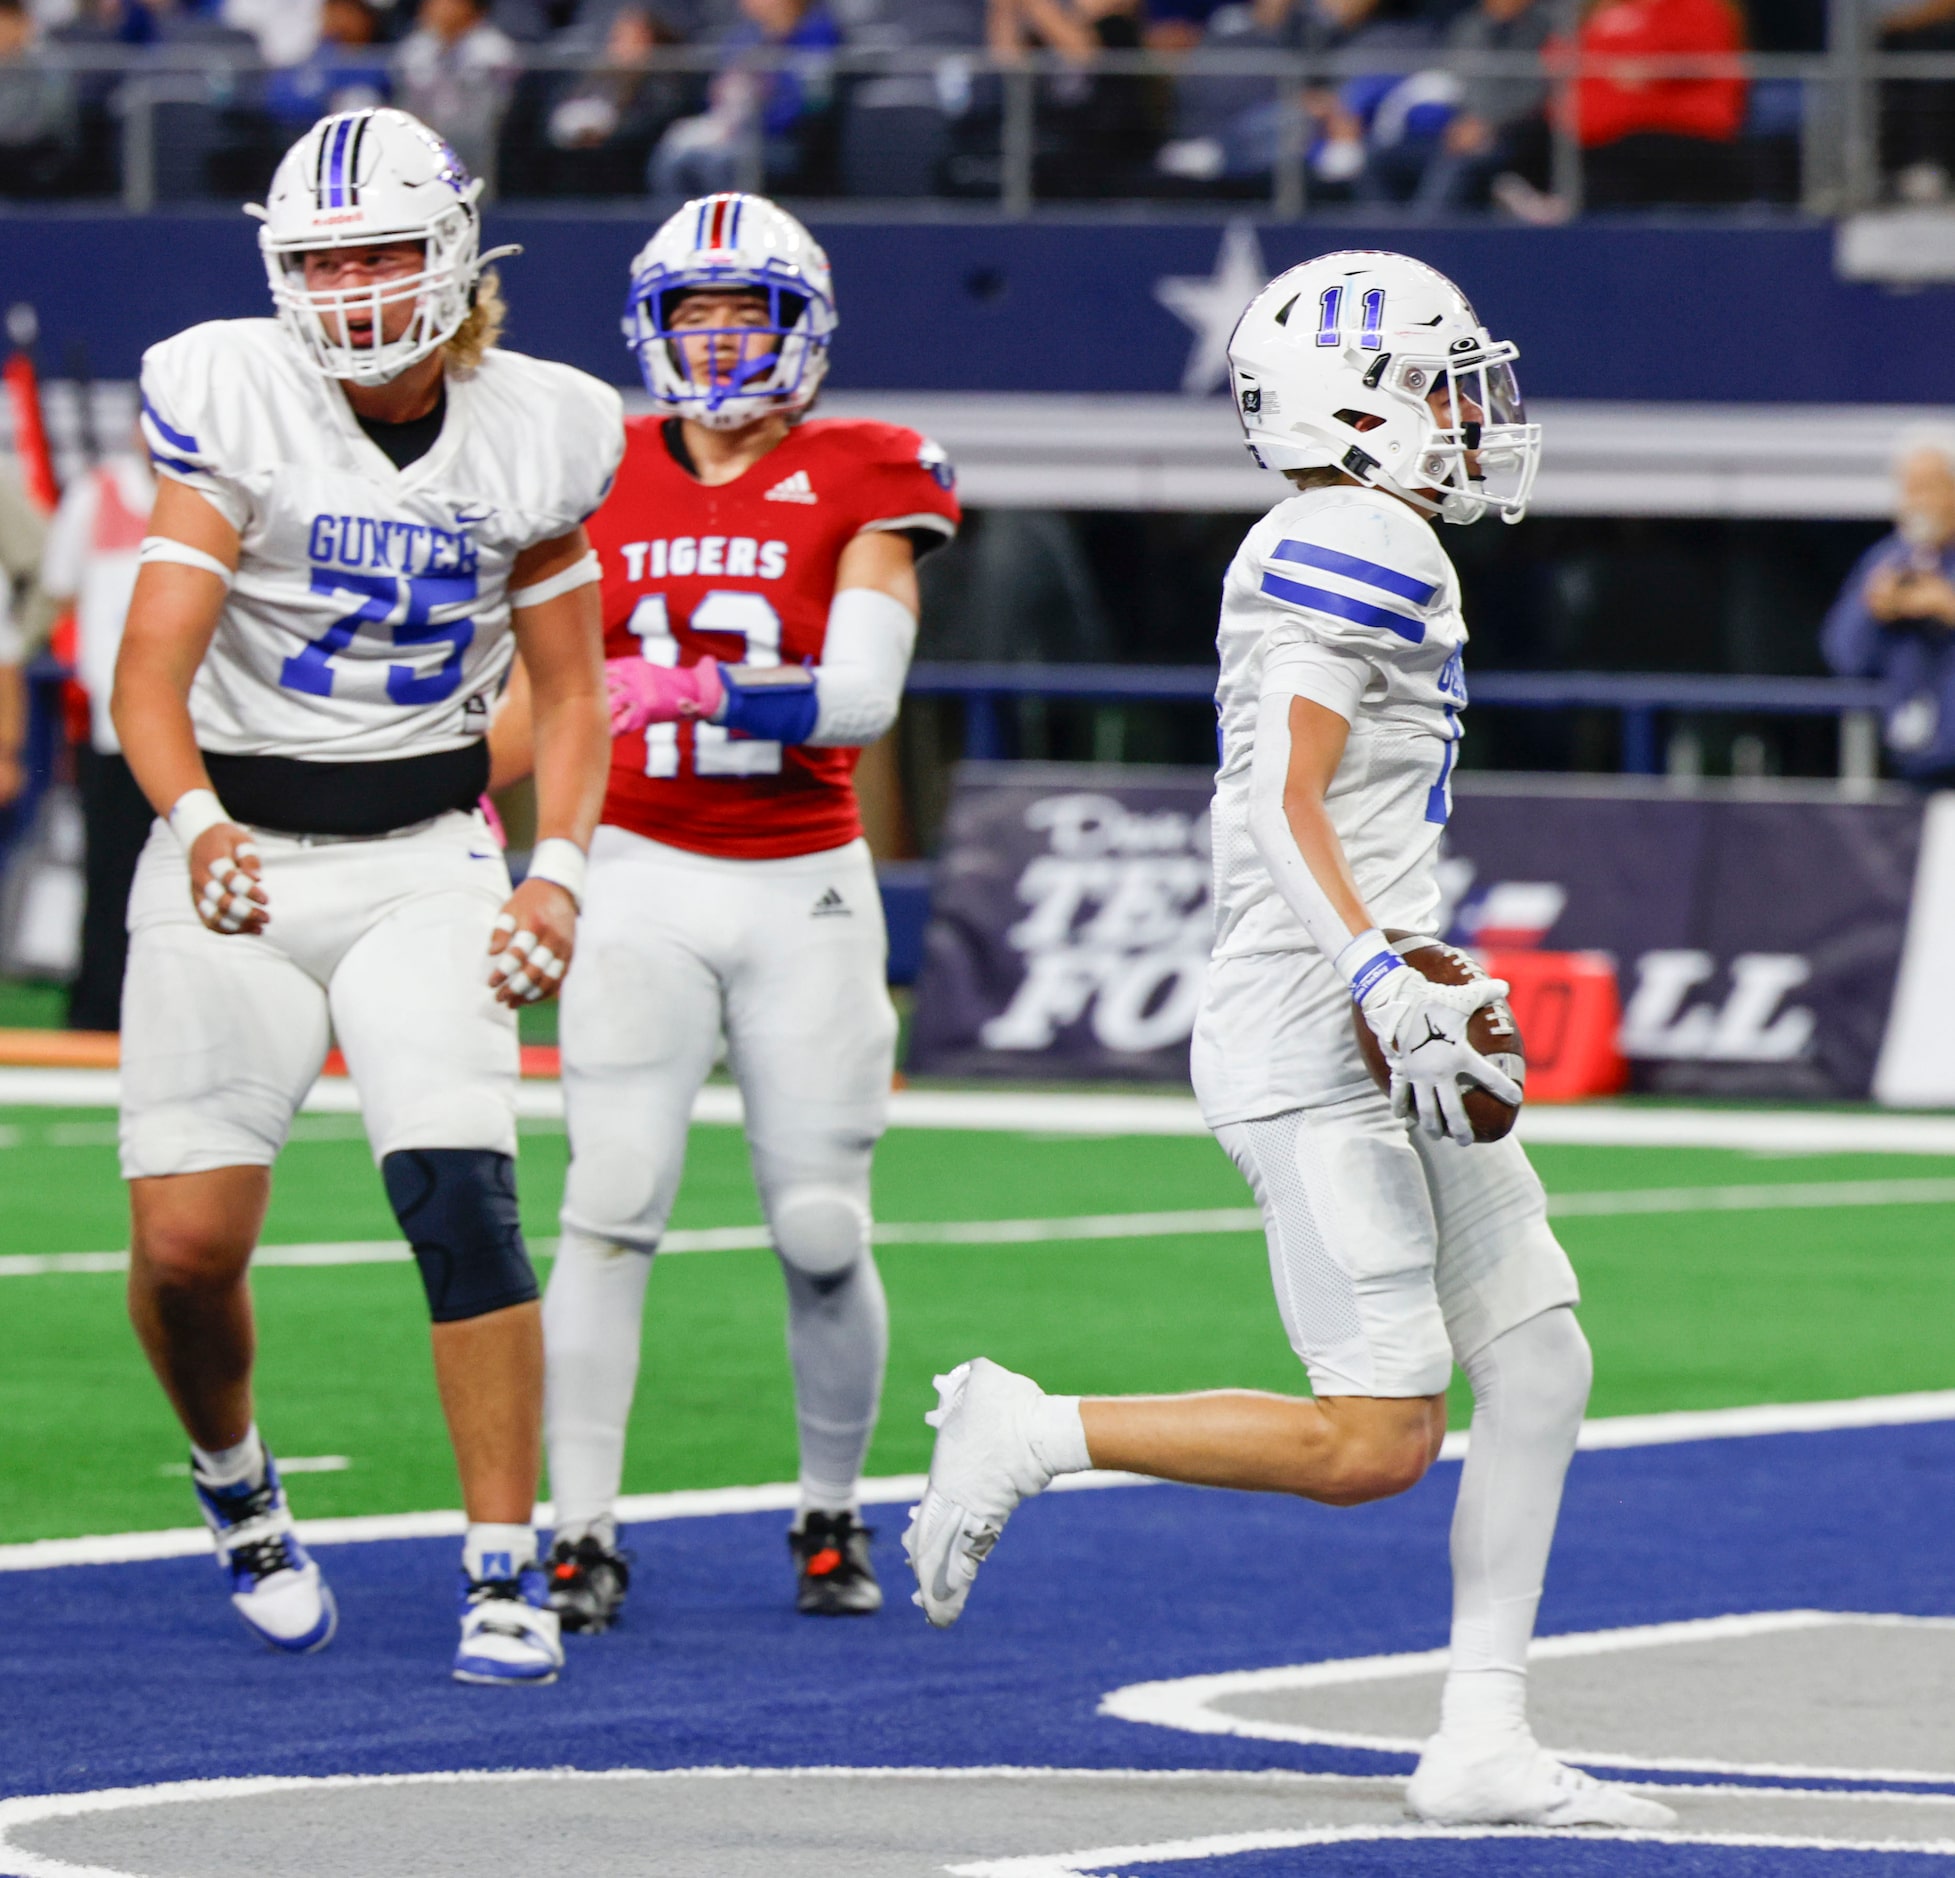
<point x="357" y="179"/>
<point x="1377" y="365"/>
<point x="733" y="244"/>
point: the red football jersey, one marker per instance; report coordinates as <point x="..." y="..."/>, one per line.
<point x="745" y="572"/>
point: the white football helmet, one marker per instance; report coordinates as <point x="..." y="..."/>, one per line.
<point x="733" y="243"/>
<point x="352" y="180"/>
<point x="1336" y="363"/>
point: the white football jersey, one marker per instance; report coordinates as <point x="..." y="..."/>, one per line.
<point x="1343" y="596"/>
<point x="370" y="617"/>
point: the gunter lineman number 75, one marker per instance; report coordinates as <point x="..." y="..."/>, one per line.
<point x="405" y="602"/>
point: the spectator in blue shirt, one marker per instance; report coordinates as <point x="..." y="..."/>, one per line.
<point x="346" y="71"/>
<point x="786" y="110"/>
<point x="1895" y="617"/>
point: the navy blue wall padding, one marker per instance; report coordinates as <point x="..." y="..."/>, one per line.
<point x="1703" y="312"/>
<point x="905" y="913"/>
<point x="457" y="1208"/>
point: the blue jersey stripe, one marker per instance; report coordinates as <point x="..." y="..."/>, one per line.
<point x="175" y="463"/>
<point x="181" y="439"/>
<point x="1308" y="554"/>
<point x="1322" y="600"/>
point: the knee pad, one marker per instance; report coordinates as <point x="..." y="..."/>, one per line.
<point x="457" y="1207"/>
<point x="820" y="1231"/>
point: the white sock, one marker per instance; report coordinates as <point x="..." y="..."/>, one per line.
<point x="593" y="1321"/>
<point x="837" y="1344"/>
<point x="498" y="1551"/>
<point x="1059" y="1436"/>
<point x="231" y="1467"/>
<point x="1530" y="1387"/>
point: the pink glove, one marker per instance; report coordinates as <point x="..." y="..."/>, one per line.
<point x="494" y="819"/>
<point x="644" y="694"/>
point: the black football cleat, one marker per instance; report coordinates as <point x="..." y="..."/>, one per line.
<point x="831" y="1561"/>
<point x="587" y="1583"/>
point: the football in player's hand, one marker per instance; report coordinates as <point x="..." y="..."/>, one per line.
<point x="1491" y="1030"/>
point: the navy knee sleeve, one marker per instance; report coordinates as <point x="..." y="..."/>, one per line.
<point x="457" y="1207"/>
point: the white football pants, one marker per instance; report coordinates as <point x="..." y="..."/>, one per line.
<point x="786" y="958"/>
<point x="381" y="941"/>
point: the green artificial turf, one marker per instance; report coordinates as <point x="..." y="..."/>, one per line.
<point x="1685" y="1310"/>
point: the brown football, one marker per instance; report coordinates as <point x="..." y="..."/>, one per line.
<point x="1492" y="1031"/>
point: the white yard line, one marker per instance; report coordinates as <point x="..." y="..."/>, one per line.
<point x="1017" y="1111"/>
<point x="1762" y="1197"/>
<point x="1621" y="1431"/>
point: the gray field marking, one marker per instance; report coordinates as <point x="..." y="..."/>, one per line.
<point x="797" y="1823"/>
<point x="1812" y="1695"/>
<point x="1071" y="1228"/>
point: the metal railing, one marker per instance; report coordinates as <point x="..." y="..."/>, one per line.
<point x="1007" y="104"/>
<point x="1641" y="701"/>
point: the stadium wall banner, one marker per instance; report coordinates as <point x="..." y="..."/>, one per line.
<point x="1670" y="313"/>
<point x="1757" y="930"/>
<point x="1758" y="934"/>
<point x="1069" y="924"/>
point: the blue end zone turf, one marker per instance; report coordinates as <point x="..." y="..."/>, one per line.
<point x="1562" y="1857"/>
<point x="131" y="1674"/>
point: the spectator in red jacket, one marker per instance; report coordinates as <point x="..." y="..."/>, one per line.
<point x="1647" y="138"/>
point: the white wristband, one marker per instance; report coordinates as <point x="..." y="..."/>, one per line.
<point x="560" y="861"/>
<point x="578" y="574"/>
<point x="1366" y="962"/>
<point x="196" y="811"/>
<point x="182" y="554"/>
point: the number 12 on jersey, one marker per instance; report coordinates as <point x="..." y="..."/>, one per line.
<point x="747" y="616"/>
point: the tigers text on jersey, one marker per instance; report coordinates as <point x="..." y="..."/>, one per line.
<point x="1343" y="596"/>
<point x="370" y="615"/>
<point x="744" y="572"/>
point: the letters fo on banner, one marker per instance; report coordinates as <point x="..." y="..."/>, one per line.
<point x="1069" y="927"/>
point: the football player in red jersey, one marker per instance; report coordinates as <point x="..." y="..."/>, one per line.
<point x="760" y="607"/>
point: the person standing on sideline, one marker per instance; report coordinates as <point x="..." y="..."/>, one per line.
<point x="365" y="508"/>
<point x="1894" y="619"/>
<point x="89" y="563"/>
<point x="23" y="532"/>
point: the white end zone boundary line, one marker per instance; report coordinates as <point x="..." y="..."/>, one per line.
<point x="1014" y="1111"/>
<point x="1616" y="1431"/>
<point x="30" y="1810"/>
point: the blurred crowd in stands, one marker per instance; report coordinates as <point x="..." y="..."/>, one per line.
<point x="666" y="98"/>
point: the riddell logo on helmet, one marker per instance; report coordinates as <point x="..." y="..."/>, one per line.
<point x="335" y="221"/>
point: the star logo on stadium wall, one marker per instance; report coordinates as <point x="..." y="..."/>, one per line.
<point x="1211" y="304"/>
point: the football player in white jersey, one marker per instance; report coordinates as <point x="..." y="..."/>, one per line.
<point x="1397" y="1245"/>
<point x="363" y="510"/>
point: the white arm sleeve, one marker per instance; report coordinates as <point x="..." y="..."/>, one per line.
<point x="864" y="661"/>
<point x="1269" y="829"/>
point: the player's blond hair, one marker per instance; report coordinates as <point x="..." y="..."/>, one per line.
<point x="487" y="316"/>
<point x="1327" y="477"/>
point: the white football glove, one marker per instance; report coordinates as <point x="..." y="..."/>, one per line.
<point x="1422" y="1027"/>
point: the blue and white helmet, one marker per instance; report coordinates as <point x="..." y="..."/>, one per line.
<point x="352" y="180"/>
<point x="733" y="243"/>
<point x="1334" y="363"/>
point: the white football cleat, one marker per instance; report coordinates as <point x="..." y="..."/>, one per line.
<point x="275" y="1585"/>
<point x="1509" y="1779"/>
<point x="984" y="1463"/>
<point x="509" y="1632"/>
